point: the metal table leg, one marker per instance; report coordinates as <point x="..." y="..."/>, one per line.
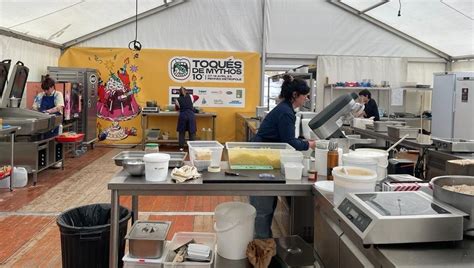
<point x="134" y="208"/>
<point x="114" y="230"/>
<point x="12" y="142"/>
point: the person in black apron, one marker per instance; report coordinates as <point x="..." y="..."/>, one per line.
<point x="49" y="101"/>
<point x="186" y="119"/>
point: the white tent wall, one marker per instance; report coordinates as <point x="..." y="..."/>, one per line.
<point x="221" y="25"/>
<point x="36" y="57"/>
<point x="463" y="66"/>
<point x="341" y="68"/>
<point x="316" y="27"/>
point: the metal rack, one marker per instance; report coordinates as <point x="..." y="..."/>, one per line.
<point x="10" y="132"/>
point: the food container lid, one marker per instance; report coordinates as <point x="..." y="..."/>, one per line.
<point x="149" y="230"/>
<point x="156" y="157"/>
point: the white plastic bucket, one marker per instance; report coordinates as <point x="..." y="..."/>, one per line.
<point x="156" y="166"/>
<point x="321" y="158"/>
<point x="354" y="159"/>
<point x="356" y="180"/>
<point x="382" y="160"/>
<point x="290" y="157"/>
<point x="234" y="227"/>
<point x="293" y="171"/>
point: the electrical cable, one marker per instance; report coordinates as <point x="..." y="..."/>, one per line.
<point x="400" y="8"/>
<point x="135" y="45"/>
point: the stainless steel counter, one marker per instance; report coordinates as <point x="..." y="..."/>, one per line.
<point x="123" y="184"/>
<point x="383" y="135"/>
<point x="446" y="254"/>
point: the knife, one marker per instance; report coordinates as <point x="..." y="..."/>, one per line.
<point x="234" y="174"/>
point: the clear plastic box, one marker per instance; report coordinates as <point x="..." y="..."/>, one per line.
<point x="205" y="153"/>
<point x="261" y="154"/>
<point x="129" y="262"/>
<point x="180" y="238"/>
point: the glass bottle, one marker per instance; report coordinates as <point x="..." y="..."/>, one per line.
<point x="332" y="159"/>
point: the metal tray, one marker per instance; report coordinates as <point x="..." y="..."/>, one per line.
<point x="177" y="158"/>
<point x="381" y="126"/>
<point x="454" y="145"/>
<point x="400" y="131"/>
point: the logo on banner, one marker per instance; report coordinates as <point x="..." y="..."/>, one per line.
<point x="179" y="68"/>
<point x="183" y="69"/>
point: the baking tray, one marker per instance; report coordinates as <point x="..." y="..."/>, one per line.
<point x="177" y="158"/>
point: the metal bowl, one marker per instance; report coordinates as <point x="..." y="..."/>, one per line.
<point x="463" y="202"/>
<point x="134" y="167"/>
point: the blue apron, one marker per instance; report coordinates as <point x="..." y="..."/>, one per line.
<point x="47" y="102"/>
<point x="186" y="119"/>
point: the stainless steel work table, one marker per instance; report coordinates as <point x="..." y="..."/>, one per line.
<point x="123" y="184"/>
<point x="10" y="131"/>
<point x="446" y="254"/>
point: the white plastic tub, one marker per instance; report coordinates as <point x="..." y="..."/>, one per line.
<point x="356" y="180"/>
<point x="321" y="158"/>
<point x="290" y="157"/>
<point x="180" y="238"/>
<point x="293" y="171"/>
<point x="234" y="227"/>
<point x="156" y="166"/>
<point x="354" y="159"/>
<point x="382" y="160"/>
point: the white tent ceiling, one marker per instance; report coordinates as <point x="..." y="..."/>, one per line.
<point x="445" y="25"/>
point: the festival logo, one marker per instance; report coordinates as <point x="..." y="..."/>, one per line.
<point x="179" y="68"/>
<point x="184" y="69"/>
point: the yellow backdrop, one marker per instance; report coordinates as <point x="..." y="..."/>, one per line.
<point x="146" y="75"/>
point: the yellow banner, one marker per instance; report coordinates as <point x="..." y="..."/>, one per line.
<point x="227" y="83"/>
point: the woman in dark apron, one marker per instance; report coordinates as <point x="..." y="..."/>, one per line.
<point x="50" y="101"/>
<point x="186" y="119"/>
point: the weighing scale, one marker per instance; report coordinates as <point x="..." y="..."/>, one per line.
<point x="400" y="217"/>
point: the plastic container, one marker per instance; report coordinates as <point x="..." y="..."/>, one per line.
<point x="179" y="238"/>
<point x="85" y="235"/>
<point x="257" y="153"/>
<point x="152" y="148"/>
<point x="234" y="227"/>
<point x="354" y="159"/>
<point x="356" y="180"/>
<point x="20" y="179"/>
<point x="325" y="187"/>
<point x="320" y="158"/>
<point x="293" y="171"/>
<point x="290" y="157"/>
<point x="156" y="166"/>
<point x="382" y="160"/>
<point x="205" y="153"/>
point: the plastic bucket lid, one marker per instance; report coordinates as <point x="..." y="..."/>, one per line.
<point x="354" y="174"/>
<point x="358" y="158"/>
<point x="156" y="158"/>
<point x="380" y="155"/>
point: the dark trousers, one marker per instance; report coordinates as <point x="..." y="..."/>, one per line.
<point x="265" y="206"/>
<point x="192" y="136"/>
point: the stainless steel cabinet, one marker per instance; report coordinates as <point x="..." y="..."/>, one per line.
<point x="350" y="255"/>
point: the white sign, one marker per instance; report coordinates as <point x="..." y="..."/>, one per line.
<point x="212" y="96"/>
<point x="185" y="69"/>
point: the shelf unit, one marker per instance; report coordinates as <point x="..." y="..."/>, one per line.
<point x="309" y="105"/>
<point x="333" y="87"/>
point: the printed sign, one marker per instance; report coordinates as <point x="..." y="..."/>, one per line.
<point x="185" y="69"/>
<point x="212" y="96"/>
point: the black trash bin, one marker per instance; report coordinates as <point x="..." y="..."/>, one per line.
<point x="85" y="233"/>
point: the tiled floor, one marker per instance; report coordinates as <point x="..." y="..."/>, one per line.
<point x="29" y="235"/>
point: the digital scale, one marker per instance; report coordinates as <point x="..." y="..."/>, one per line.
<point x="400" y="217"/>
<point x="151" y="109"/>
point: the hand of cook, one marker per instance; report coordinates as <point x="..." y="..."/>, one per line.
<point x="312" y="144"/>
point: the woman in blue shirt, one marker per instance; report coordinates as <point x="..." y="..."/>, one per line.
<point x="279" y="126"/>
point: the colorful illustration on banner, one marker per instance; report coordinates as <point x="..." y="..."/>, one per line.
<point x="115" y="132"/>
<point x="117" y="96"/>
<point x="238" y="93"/>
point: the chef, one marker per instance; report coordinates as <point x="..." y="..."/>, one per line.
<point x="371" y="109"/>
<point x="49" y="101"/>
<point x="279" y="126"/>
